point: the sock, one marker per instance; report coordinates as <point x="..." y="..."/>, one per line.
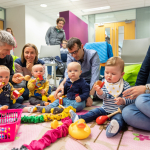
<point x="57" y="110"/>
<point x="44" y="109"/>
<point x="74" y="116"/>
<point x="113" y="127"/>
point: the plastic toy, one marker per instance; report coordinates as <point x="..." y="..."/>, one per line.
<point x="60" y="100"/>
<point x="27" y="78"/>
<point x="55" y="124"/>
<point x="101" y="119"/>
<point x="100" y="83"/>
<point x="79" y="130"/>
<point x="40" y="78"/>
<point x="51" y="98"/>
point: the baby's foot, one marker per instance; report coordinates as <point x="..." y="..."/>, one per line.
<point x="46" y="103"/>
<point x="5" y="107"/>
<point x="74" y="116"/>
<point x="32" y="109"/>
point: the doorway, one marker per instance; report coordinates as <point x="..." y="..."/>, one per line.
<point x="115" y="33"/>
<point x="1" y="25"/>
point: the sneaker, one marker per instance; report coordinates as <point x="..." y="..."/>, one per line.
<point x="74" y="116"/>
<point x="49" y="77"/>
<point x="112" y="128"/>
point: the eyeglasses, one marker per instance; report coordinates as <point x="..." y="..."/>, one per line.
<point x="75" y="52"/>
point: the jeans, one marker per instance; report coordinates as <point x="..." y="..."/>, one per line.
<point x="138" y="115"/>
<point x="94" y="113"/>
<point x="67" y="102"/>
<point x="64" y="57"/>
<point x="49" y="70"/>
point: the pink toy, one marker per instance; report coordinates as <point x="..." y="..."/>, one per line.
<point x="101" y="119"/>
<point x="9" y="123"/>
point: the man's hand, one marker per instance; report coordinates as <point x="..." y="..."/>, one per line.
<point x="60" y="88"/>
<point x="134" y="92"/>
<point x="120" y="101"/>
<point x="78" y="99"/>
<point x="89" y="102"/>
<point x="42" y="92"/>
<point x="16" y="78"/>
<point x="29" y="65"/>
<point x="98" y="89"/>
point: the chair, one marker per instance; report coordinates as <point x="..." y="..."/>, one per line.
<point x="104" y="51"/>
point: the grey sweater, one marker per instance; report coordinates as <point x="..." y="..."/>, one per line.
<point x="53" y="37"/>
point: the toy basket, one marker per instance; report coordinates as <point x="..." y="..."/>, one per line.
<point x="9" y="124"/>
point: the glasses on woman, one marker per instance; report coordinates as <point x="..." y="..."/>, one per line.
<point x="75" y="52"/>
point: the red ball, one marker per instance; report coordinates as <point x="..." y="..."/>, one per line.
<point x="101" y="119"/>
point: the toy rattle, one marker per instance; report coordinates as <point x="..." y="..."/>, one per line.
<point x="101" y="119"/>
<point x="100" y="83"/>
<point x="27" y="78"/>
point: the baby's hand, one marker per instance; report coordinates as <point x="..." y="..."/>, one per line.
<point x="34" y="81"/>
<point x="120" y="101"/>
<point x="59" y="95"/>
<point x="78" y="99"/>
<point x="98" y="89"/>
<point x="1" y="85"/>
<point x="42" y="92"/>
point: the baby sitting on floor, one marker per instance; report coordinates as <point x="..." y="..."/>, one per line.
<point x="6" y="92"/>
<point x="38" y="87"/>
<point x="76" y="88"/>
<point x="111" y="93"/>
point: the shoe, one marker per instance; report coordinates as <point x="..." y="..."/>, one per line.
<point x="49" y="77"/>
<point x="74" y="116"/>
<point x="112" y="128"/>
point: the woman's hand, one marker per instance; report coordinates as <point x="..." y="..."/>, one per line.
<point x="16" y="78"/>
<point x="134" y="92"/>
<point x="29" y="66"/>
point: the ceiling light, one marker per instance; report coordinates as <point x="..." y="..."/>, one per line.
<point x="95" y="9"/>
<point x="43" y="5"/>
<point x="57" y="15"/>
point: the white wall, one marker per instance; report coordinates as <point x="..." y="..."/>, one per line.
<point x="36" y="26"/>
<point x="15" y="19"/>
<point x="28" y="25"/>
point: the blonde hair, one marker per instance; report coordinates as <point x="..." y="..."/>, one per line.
<point x="115" y="61"/>
<point x="2" y="67"/>
<point x="74" y="64"/>
<point x="37" y="65"/>
<point x="36" y="51"/>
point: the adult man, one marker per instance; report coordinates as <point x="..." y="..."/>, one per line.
<point x="6" y="44"/>
<point x="89" y="61"/>
<point x="54" y="36"/>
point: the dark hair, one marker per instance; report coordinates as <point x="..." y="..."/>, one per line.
<point x="60" y="19"/>
<point x="64" y="41"/>
<point x="11" y="31"/>
<point x="36" y="51"/>
<point x="72" y="41"/>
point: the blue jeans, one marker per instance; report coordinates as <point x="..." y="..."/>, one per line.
<point x="67" y="102"/>
<point x="94" y="113"/>
<point x="49" y="70"/>
<point x="138" y="115"/>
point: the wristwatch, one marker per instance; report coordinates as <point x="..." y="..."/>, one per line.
<point x="91" y="96"/>
<point x="147" y="88"/>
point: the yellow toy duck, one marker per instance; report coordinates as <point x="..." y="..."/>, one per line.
<point x="55" y="124"/>
<point x="79" y="130"/>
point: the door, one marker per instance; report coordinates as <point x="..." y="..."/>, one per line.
<point x="1" y="25"/>
<point x="115" y="33"/>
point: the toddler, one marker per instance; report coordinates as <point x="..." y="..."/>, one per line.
<point x="111" y="93"/>
<point x="38" y="87"/>
<point x="76" y="88"/>
<point x="6" y="92"/>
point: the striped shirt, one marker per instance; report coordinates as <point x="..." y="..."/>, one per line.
<point x="109" y="102"/>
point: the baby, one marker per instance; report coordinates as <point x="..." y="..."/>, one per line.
<point x="76" y="88"/>
<point x="38" y="87"/>
<point x="111" y="93"/>
<point x="6" y="92"/>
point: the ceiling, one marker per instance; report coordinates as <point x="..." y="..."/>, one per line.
<point x="55" y="6"/>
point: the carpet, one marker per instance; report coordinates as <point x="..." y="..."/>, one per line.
<point x="132" y="139"/>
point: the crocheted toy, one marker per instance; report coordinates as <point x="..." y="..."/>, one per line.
<point x="47" y="117"/>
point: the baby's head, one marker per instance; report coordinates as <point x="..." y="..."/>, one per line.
<point x="4" y="74"/>
<point x="37" y="70"/>
<point x="74" y="71"/>
<point x="114" y="69"/>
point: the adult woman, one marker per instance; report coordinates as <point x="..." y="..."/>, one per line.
<point x="138" y="114"/>
<point x="11" y="32"/>
<point x="23" y="65"/>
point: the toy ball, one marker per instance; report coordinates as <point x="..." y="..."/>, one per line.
<point x="3" y="130"/>
<point x="8" y="128"/>
<point x="2" y="136"/>
<point x="79" y="130"/>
